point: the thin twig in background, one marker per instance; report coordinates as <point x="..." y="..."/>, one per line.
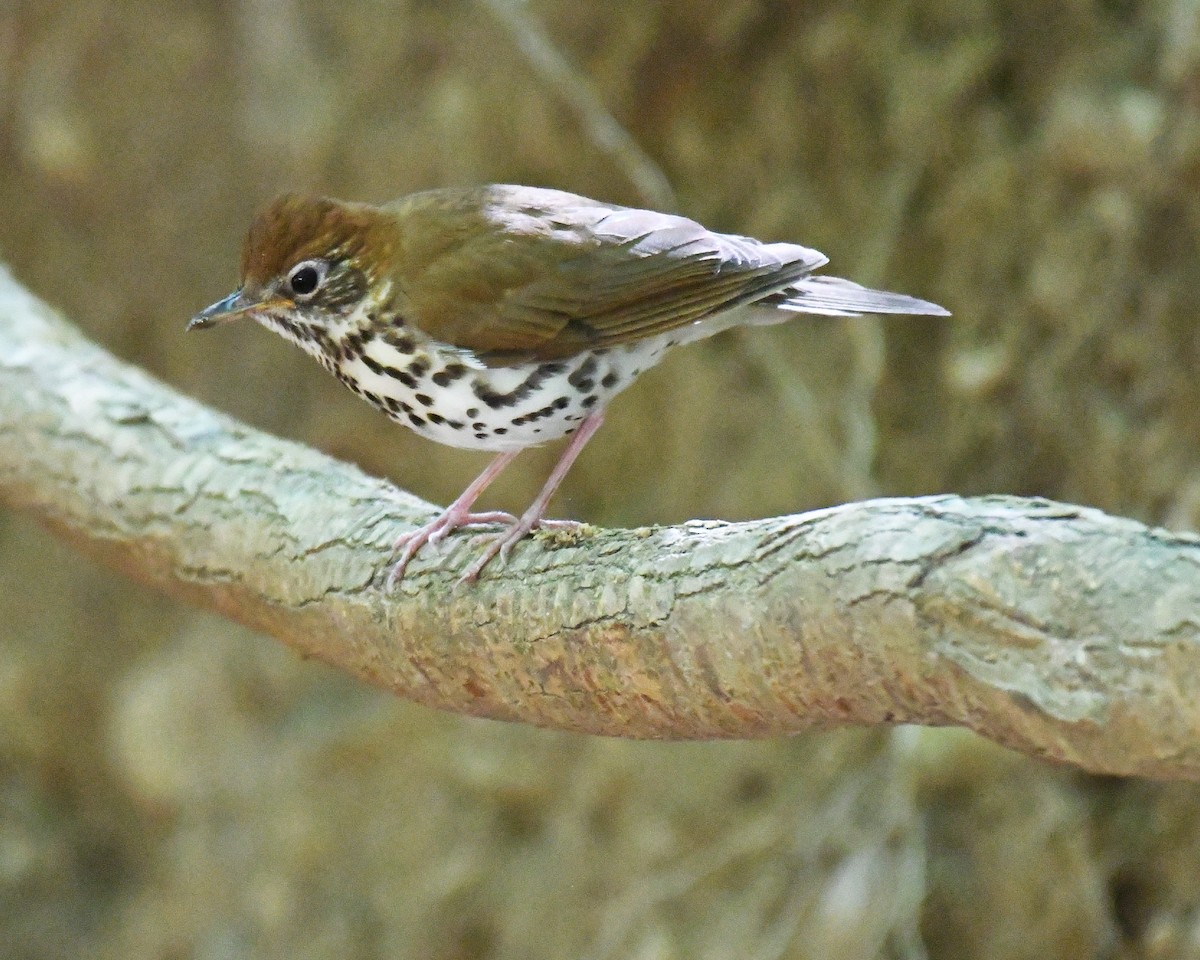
<point x="866" y="333"/>
<point x="568" y="82"/>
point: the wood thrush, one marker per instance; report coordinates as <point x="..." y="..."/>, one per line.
<point x="500" y="317"/>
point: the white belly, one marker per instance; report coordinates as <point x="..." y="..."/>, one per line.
<point x="450" y="396"/>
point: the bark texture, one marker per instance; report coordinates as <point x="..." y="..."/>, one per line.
<point x="1054" y="629"/>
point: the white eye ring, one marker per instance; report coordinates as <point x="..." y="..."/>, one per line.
<point x="306" y="278"/>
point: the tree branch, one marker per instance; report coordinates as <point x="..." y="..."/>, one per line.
<point x="1054" y="629"/>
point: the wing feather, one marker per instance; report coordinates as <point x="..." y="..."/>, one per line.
<point x="541" y="274"/>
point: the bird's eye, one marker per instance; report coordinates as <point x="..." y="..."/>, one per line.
<point x="305" y="278"/>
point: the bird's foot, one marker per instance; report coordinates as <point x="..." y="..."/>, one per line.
<point x="408" y="545"/>
<point x="502" y="543"/>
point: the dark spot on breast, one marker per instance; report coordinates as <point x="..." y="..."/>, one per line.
<point x="479" y="425"/>
<point x="472" y="412"/>
<point x="415" y="420"/>
<point x="419" y="367"/>
<point x="532" y="381"/>
<point x="581" y="378"/>
<point x="500" y="431"/>
<point x="424" y="399"/>
<point x="610" y="380"/>
<point x="452" y="372"/>
<point x="400" y="342"/>
<point x="352" y="345"/>
<point x="561" y="403"/>
<point x="436" y="418"/>
<point x="385" y="371"/>
<point x="493" y="400"/>
<point x="590" y="401"/>
<point x="490" y="397"/>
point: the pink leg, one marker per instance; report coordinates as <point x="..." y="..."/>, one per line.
<point x="458" y="514"/>
<point x="532" y="518"/>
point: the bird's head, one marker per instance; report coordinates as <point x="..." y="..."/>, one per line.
<point x="308" y="265"/>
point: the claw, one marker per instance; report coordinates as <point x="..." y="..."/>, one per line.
<point x="502" y="544"/>
<point x="434" y="532"/>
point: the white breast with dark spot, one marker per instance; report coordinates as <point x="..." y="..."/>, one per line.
<point x="450" y="396"/>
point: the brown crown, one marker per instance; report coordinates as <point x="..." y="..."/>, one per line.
<point x="296" y="227"/>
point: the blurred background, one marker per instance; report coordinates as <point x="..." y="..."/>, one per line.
<point x="172" y="786"/>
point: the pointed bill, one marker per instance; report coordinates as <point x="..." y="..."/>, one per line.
<point x="230" y="308"/>
<point x="233" y="307"/>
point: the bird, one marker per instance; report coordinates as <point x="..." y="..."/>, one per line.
<point x="501" y="317"/>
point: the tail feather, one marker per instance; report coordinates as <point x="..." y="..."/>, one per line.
<point x="835" y="297"/>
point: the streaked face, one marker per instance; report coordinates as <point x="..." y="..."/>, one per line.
<point x="303" y="274"/>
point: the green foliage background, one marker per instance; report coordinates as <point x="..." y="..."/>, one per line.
<point x="171" y="786"/>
